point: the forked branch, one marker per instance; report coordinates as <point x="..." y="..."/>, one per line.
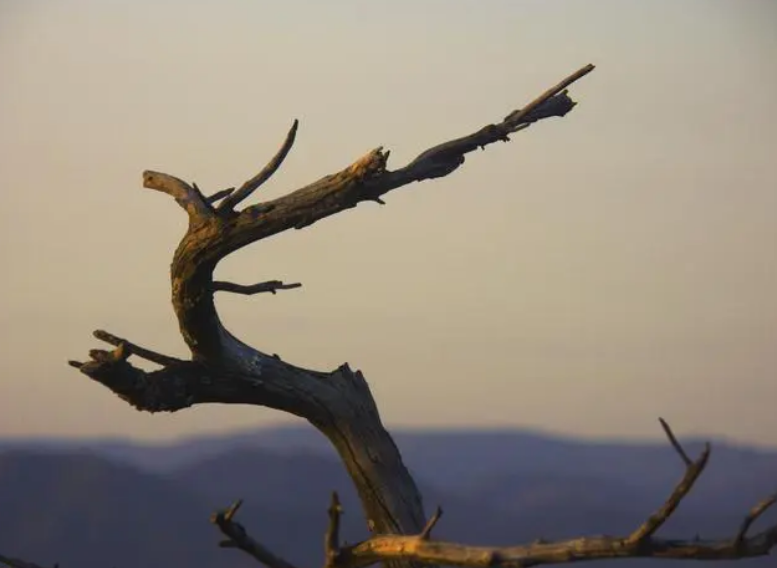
<point x="640" y="544"/>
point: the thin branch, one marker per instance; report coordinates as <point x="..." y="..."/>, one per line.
<point x="752" y="516"/>
<point x="219" y="195"/>
<point x="135" y="349"/>
<point x="232" y="200"/>
<point x="426" y="533"/>
<point x="239" y="538"/>
<point x="271" y="286"/>
<point x="692" y="472"/>
<point x="519" y="117"/>
<point x="332" y="538"/>
<point x="187" y="196"/>
<point x="675" y="444"/>
<point x="552" y="102"/>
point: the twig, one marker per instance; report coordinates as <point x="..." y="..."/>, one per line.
<point x="752" y="516"/>
<point x="332" y="538"/>
<point x="271" y="286"/>
<point x="239" y="538"/>
<point x="517" y="117"/>
<point x="692" y="472"/>
<point x="426" y="533"/>
<point x="230" y="201"/>
<point x="219" y="195"/>
<point x="675" y="444"/>
<point x="135" y="349"/>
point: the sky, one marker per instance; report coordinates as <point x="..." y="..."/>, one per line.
<point x="597" y="272"/>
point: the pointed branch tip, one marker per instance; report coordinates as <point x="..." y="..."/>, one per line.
<point x="427" y="531"/>
<point x="234" y="198"/>
<point x="753" y="516"/>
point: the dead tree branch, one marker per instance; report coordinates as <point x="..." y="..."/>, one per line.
<point x="223" y="369"/>
<point x="271" y="286"/>
<point x="339" y="403"/>
<point x="231" y="200"/>
<point x="237" y="537"/>
<point x="640" y="544"/>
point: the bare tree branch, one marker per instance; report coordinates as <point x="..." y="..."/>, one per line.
<point x="238" y="538"/>
<point x="332" y="538"/>
<point x="339" y="403"/>
<point x="640" y="544"/>
<point x="135" y="349"/>
<point x="187" y="196"/>
<point x="271" y="286"/>
<point x="232" y="200"/>
<point x="752" y="516"/>
<point x="226" y="370"/>
<point x="693" y="470"/>
<point x="526" y="116"/>
<point x="427" y="532"/>
<point x="675" y="444"/>
<point x="220" y="195"/>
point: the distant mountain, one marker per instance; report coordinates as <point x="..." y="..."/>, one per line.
<point x="83" y="511"/>
<point x="126" y="504"/>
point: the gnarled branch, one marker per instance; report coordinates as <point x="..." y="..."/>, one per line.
<point x="226" y="370"/>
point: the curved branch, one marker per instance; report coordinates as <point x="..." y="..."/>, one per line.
<point x="187" y="196"/>
<point x="233" y="199"/>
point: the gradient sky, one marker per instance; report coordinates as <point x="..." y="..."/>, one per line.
<point x="599" y="271"/>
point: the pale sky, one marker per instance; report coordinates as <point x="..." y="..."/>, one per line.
<point x="599" y="271"/>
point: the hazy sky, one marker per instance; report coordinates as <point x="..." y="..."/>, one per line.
<point x="599" y="271"/>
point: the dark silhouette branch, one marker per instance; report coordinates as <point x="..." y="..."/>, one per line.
<point x="271" y="286"/>
<point x="220" y="195"/>
<point x="135" y="349"/>
<point x="233" y="199"/>
<point x="237" y="537"/>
